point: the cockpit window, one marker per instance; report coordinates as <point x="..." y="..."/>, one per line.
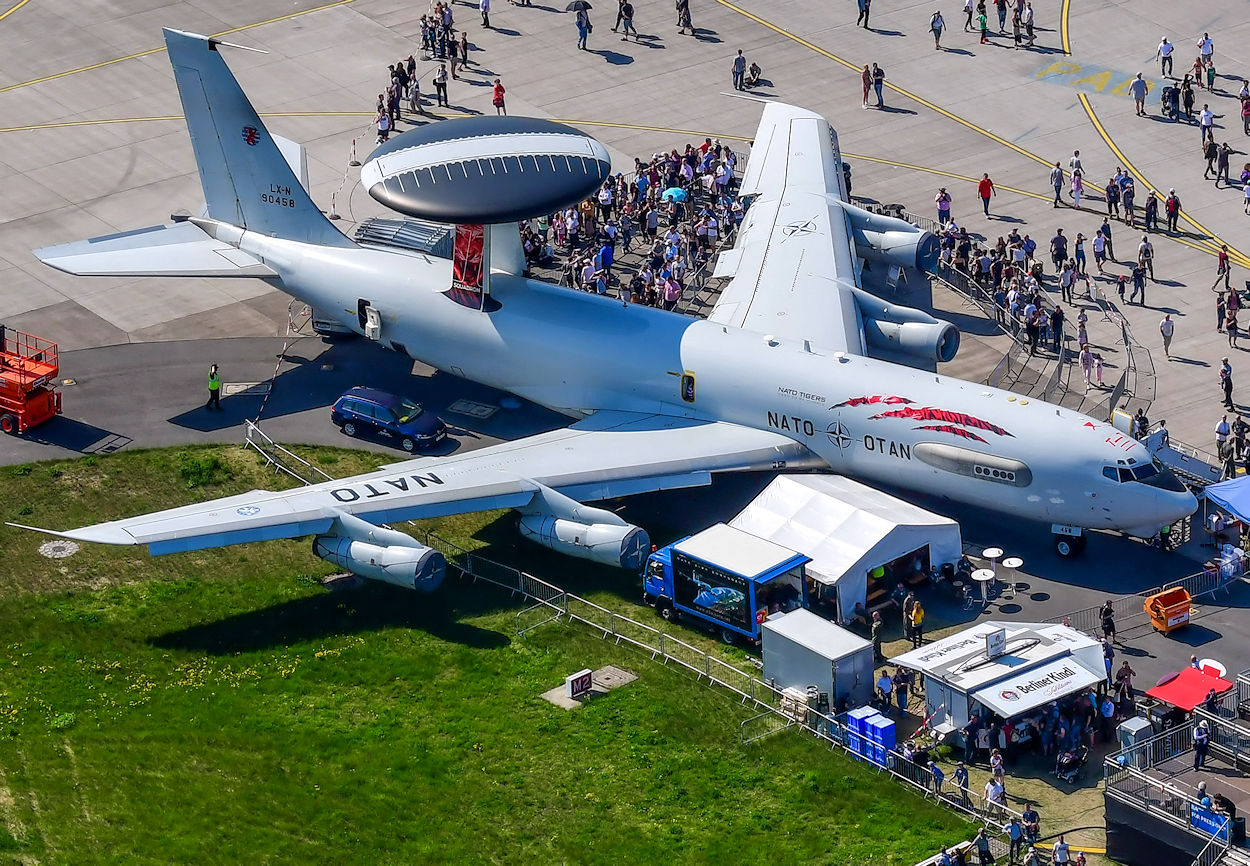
<point x="1109" y="472"/>
<point x="1156" y="475"/>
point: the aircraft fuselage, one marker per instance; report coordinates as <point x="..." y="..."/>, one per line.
<point x="577" y="353"/>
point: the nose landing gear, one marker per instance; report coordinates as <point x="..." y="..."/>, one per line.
<point x="1069" y="540"/>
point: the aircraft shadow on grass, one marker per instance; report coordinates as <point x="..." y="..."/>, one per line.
<point x="304" y="384"/>
<point x="373" y="607"/>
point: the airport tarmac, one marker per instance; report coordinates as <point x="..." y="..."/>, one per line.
<point x="92" y="142"/>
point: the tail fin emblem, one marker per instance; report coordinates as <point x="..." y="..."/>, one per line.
<point x="251" y="135"/>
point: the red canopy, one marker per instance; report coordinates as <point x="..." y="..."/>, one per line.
<point x="1188" y="689"/>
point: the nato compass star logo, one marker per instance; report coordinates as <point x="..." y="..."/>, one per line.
<point x="247" y="510"/>
<point x="251" y="135"/>
<point x="838" y="435"/>
<point x="801" y="227"/>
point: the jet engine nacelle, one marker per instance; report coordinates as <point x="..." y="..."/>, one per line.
<point x="565" y="525"/>
<point x="377" y="553"/>
<point x="417" y="567"/>
<point x="895" y="328"/>
<point x="890" y="240"/>
<point x="624" y="546"/>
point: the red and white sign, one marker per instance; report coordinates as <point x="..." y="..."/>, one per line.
<point x="578" y="685"/>
<point x="467" y="257"/>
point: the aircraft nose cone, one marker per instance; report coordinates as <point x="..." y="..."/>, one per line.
<point x="1178" y="506"/>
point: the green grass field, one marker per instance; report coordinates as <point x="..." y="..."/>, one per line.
<point x="223" y="707"/>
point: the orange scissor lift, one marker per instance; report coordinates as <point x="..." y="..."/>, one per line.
<point x="28" y="369"/>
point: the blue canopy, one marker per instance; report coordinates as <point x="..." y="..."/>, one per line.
<point x="1233" y="496"/>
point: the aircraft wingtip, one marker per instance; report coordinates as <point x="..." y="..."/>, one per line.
<point x="100" y="534"/>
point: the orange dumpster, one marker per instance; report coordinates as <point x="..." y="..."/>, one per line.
<point x="1168" y="610"/>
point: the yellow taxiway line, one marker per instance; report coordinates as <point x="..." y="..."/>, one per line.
<point x="1212" y="241"/>
<point x="152" y="51"/>
<point x="12" y="9"/>
<point x="1063" y="26"/>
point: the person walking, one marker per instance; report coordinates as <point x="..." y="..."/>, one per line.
<point x="1166" y="328"/>
<point x="983" y="23"/>
<point x="1079" y="261"/>
<point x="1056" y="180"/>
<point x="917" y="624"/>
<point x="1138" y="88"/>
<point x="1202" y="742"/>
<point x="1056" y="328"/>
<point x="739" y="71"/>
<point x="865" y="77"/>
<point x="1172" y="209"/>
<point x="1206" y="122"/>
<point x="969" y="8"/>
<point x="960" y="780"/>
<point x="865" y="6"/>
<point x="683" y="17"/>
<point x="943" y="200"/>
<point x="1146" y="256"/>
<point x="877" y="626"/>
<point x="584" y="28"/>
<point x="1206" y="50"/>
<point x="985" y="857"/>
<point x="483" y="6"/>
<point x="1222" y="268"/>
<point x="936" y="25"/>
<point x="440" y="85"/>
<point x="878" y="83"/>
<point x="214" y="389"/>
<point x="1226" y="382"/>
<point x="986" y="189"/>
<point x="497" y="92"/>
<point x="627" y="22"/>
<point x="1164" y="56"/>
<point x="1078" y="187"/>
<point x="1152" y="211"/>
<point x="1221" y="164"/>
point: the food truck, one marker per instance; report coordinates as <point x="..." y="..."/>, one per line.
<point x="726" y="580"/>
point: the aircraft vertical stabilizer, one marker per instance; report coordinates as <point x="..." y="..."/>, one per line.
<point x="247" y="181"/>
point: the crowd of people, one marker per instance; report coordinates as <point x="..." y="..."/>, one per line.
<point x="672" y="213"/>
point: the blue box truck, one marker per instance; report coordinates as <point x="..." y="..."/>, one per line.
<point x="726" y="580"/>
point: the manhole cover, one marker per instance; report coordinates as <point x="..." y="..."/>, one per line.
<point x="58" y="549"/>
<point x="473" y="409"/>
<point x="245" y="389"/>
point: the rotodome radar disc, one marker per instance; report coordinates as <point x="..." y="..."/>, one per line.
<point x="486" y="169"/>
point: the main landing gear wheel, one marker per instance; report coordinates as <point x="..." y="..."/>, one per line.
<point x="1069" y="546"/>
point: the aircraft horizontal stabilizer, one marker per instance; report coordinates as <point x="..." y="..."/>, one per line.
<point x="180" y="249"/>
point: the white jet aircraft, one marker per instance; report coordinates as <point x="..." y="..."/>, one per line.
<point x="779" y="376"/>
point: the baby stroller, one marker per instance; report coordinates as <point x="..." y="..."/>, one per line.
<point x="1171" y="101"/>
<point x="1070" y="766"/>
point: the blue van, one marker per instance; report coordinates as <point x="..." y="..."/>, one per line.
<point x="368" y="410"/>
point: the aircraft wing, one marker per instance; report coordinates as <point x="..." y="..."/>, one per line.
<point x="794" y="262"/>
<point x="607" y="455"/>
<point x="180" y="249"/>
